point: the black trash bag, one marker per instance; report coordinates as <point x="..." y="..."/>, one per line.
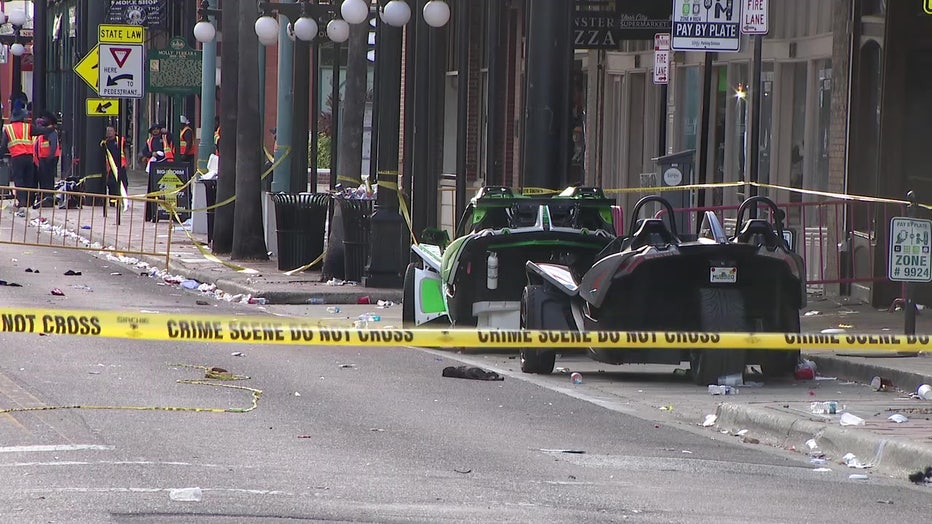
<point x="472" y="373"/>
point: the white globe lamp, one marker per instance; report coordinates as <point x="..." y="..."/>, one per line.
<point x="204" y="32"/>
<point x="354" y="11"/>
<point x="338" y="30"/>
<point x="396" y="13"/>
<point x="305" y="28"/>
<point x="436" y="13"/>
<point x="17" y="49"/>
<point x="267" y="30"/>
<point x="18" y="17"/>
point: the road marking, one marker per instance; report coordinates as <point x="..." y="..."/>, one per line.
<point x="61" y="447"/>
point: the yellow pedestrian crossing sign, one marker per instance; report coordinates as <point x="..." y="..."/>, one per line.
<point x="87" y="68"/>
<point x="927" y="6"/>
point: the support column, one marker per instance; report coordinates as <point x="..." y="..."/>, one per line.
<point x="40" y="32"/>
<point x="208" y="99"/>
<point x="496" y="87"/>
<point x="417" y="110"/>
<point x="388" y="237"/>
<point x="545" y="153"/>
<point x="462" y="104"/>
<point x="302" y="73"/>
<point x="281" y="181"/>
<point x="92" y="162"/>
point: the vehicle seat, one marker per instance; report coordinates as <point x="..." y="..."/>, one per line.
<point x="758" y="231"/>
<point x="652" y="232"/>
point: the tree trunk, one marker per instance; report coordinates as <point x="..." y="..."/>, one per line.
<point x="354" y="105"/>
<point x="248" y="234"/>
<point x="226" y="183"/>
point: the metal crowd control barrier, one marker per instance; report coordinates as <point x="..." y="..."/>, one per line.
<point x="842" y="242"/>
<point x="62" y="222"/>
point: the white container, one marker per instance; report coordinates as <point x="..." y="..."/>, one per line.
<point x="925" y="392"/>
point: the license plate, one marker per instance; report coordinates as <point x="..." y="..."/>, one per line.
<point x="723" y="275"/>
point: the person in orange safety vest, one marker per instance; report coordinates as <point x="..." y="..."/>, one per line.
<point x="46" y="152"/>
<point x="156" y="142"/>
<point x="17" y="142"/>
<point x="186" y="150"/>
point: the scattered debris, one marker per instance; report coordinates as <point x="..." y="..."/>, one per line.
<point x="921" y="477"/>
<point x="805" y="370"/>
<point x="822" y="470"/>
<point x="811" y="313"/>
<point x="847" y="419"/>
<point x="687" y="452"/>
<point x="377" y="430"/>
<point x="722" y="390"/>
<point x="30" y="270"/>
<point x="363" y="300"/>
<point x="751" y="440"/>
<point x="333" y="309"/>
<point x="562" y="370"/>
<point x="824" y="408"/>
<point x="576" y="378"/>
<point x="185" y="494"/>
<point x="9" y="284"/>
<point x="384" y="304"/>
<point x="851" y="460"/>
<point x="238" y="354"/>
<point x="472" y="373"/>
<point x="297" y="394"/>
<point x="666" y="408"/>
<point x="570" y="451"/>
<point x="709" y="421"/>
<point x="885" y="502"/>
<point x="741" y="433"/>
<point x="72" y="273"/>
<point x="736" y="379"/>
<point x="462" y="471"/>
<point x="202" y="302"/>
<point x="305" y="436"/>
<point x="924" y="392"/>
<point x="881" y="384"/>
<point x="57" y="292"/>
<point x="335" y="282"/>
<point x="819" y="461"/>
<point x="898" y="418"/>
<point x="855" y="476"/>
<point x="347" y="366"/>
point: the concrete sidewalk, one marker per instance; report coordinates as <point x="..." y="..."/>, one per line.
<point x="894" y="447"/>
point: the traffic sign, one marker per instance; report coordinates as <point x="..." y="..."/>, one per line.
<point x="711" y="25"/>
<point x="910" y="243"/>
<point x="120" y="34"/>
<point x="927" y="6"/>
<point x="87" y="68"/>
<point x="121" y="71"/>
<point x="103" y="107"/>
<point x="755" y="17"/>
<point x="662" y="58"/>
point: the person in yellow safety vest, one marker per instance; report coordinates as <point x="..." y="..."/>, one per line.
<point x="46" y="152"/>
<point x="155" y="143"/>
<point x="186" y="150"/>
<point x="16" y="141"/>
<point x="114" y="149"/>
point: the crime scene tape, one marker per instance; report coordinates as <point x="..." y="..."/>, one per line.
<point x="281" y="331"/>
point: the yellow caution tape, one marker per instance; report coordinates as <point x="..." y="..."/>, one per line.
<point x="282" y="331"/>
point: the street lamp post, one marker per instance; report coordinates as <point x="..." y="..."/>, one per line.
<point x="205" y="33"/>
<point x="16" y="18"/>
<point x="389" y="237"/>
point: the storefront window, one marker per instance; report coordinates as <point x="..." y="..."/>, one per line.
<point x="798" y="142"/>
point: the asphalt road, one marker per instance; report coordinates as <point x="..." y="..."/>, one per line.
<point x="355" y="434"/>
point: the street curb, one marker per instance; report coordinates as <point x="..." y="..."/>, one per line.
<point x="889" y="456"/>
<point x="863" y="372"/>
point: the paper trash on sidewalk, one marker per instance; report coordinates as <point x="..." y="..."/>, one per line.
<point x="852" y="461"/>
<point x="847" y="419"/>
<point x="898" y="418"/>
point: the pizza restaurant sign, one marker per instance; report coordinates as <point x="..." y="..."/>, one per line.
<point x="632" y="20"/>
